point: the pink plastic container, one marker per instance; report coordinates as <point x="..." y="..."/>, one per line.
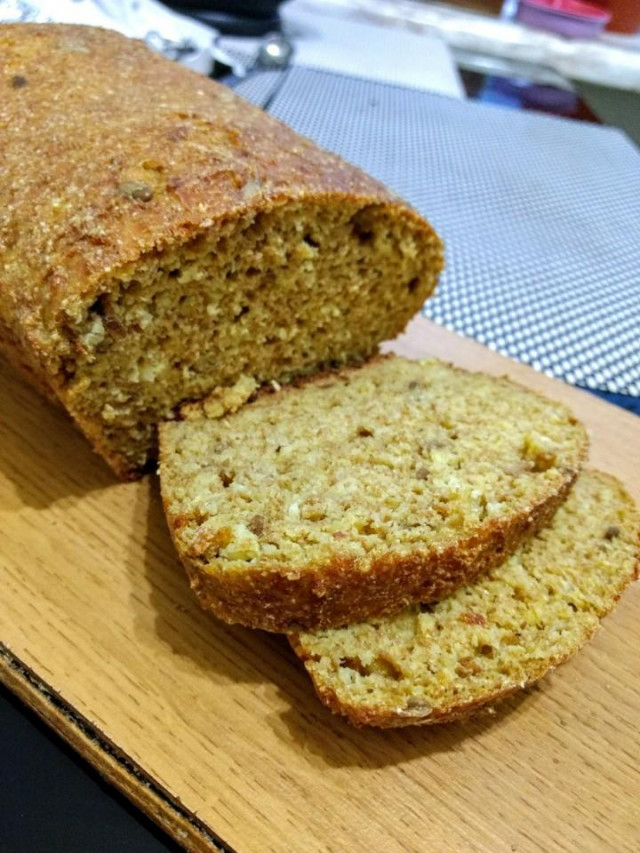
<point x="570" y="18"/>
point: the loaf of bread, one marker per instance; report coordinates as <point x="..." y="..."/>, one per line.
<point x="435" y="663"/>
<point x="160" y="237"/>
<point x="360" y="491"/>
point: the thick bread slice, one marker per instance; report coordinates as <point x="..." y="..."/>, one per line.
<point x="362" y="491"/>
<point x="436" y="663"/>
<point x="179" y="237"/>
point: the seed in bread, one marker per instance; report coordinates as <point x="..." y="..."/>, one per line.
<point x="439" y="662"/>
<point x="362" y="490"/>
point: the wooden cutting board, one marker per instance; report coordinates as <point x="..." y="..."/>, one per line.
<point x="215" y="731"/>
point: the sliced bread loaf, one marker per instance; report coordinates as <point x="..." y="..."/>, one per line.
<point x="439" y="662"/>
<point x="361" y="491"/>
<point x="179" y="237"/>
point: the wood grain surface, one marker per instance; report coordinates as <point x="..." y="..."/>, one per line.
<point x="215" y="731"/>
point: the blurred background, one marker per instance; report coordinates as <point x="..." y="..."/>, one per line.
<point x="566" y="57"/>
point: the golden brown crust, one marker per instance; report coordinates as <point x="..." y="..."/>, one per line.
<point x="275" y="599"/>
<point x="392" y="718"/>
<point x="18" y="358"/>
<point x="140" y="154"/>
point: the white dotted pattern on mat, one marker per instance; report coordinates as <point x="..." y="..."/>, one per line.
<point x="540" y="216"/>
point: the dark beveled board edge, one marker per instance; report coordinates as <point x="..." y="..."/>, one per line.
<point x="116" y="768"/>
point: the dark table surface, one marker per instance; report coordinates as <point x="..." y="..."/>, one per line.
<point x="54" y="802"/>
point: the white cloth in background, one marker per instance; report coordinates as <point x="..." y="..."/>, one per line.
<point x="176" y="36"/>
<point x="332" y="39"/>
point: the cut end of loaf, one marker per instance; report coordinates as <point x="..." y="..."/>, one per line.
<point x="274" y="295"/>
<point x="439" y="662"/>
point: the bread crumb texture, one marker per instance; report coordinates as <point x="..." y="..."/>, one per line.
<point x="160" y="237"/>
<point x="437" y="662"/>
<point x="362" y="490"/>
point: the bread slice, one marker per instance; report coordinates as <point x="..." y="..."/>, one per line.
<point x="362" y="490"/>
<point x="436" y="663"/>
<point x="179" y="237"/>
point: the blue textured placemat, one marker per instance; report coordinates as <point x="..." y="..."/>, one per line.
<point x="540" y="216"/>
